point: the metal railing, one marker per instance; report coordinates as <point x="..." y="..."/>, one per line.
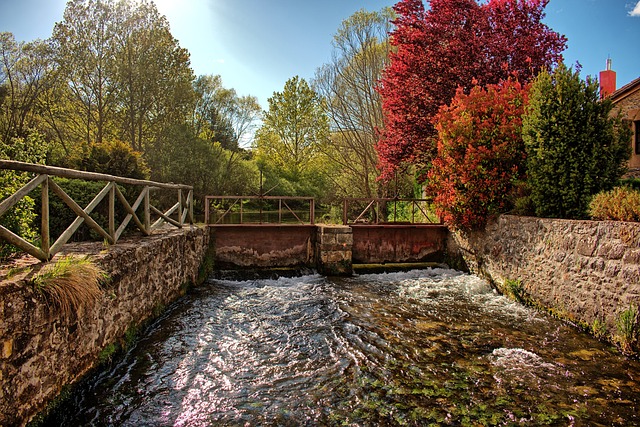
<point x="228" y="210"/>
<point x="387" y="211"/>
<point x="183" y="209"/>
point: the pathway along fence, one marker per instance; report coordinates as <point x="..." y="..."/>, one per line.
<point x="182" y="210"/>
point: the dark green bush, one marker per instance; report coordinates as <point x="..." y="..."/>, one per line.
<point x="575" y="149"/>
<point x="631" y="182"/>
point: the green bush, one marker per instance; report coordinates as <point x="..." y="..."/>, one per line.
<point x="619" y="204"/>
<point x="575" y="148"/>
<point x="20" y="218"/>
<point x="114" y="158"/>
<point x="631" y="182"/>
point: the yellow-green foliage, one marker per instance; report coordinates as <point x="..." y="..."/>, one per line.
<point x="70" y="283"/>
<point x="619" y="204"/>
<point x="627" y="325"/>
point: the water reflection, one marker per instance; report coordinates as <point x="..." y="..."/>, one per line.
<point x="424" y="347"/>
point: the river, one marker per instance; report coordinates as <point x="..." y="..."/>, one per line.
<point x="425" y="347"/>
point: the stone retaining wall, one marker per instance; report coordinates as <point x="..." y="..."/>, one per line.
<point x="581" y="270"/>
<point x="40" y="353"/>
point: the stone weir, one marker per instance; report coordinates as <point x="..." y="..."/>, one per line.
<point x="41" y="352"/>
<point x="331" y="249"/>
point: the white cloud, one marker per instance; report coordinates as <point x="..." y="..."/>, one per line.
<point x="636" y="10"/>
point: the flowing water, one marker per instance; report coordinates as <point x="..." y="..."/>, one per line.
<point x="429" y="347"/>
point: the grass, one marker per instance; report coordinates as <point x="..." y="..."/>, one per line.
<point x="69" y="284"/>
<point x="516" y="291"/>
<point x="599" y="329"/>
<point x="627" y="325"/>
<point x="14" y="271"/>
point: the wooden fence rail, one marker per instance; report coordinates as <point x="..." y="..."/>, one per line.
<point x="226" y="206"/>
<point x="387" y="211"/>
<point x="182" y="210"/>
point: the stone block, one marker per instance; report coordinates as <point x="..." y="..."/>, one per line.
<point x="586" y="246"/>
<point x="344" y="239"/>
<point x="611" y="250"/>
<point x="632" y="257"/>
<point x="328" y="239"/>
<point x="7" y="349"/>
<point x="335" y="256"/>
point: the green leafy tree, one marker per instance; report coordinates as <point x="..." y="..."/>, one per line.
<point x="122" y="75"/>
<point x="293" y="132"/>
<point x="151" y="74"/>
<point x="575" y="148"/>
<point x="223" y="116"/>
<point x="84" y="52"/>
<point x="180" y="156"/>
<point x="23" y="76"/>
<point x="348" y="85"/>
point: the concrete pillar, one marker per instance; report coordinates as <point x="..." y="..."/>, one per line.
<point x="333" y="250"/>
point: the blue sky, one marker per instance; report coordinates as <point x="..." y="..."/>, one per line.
<point x="257" y="45"/>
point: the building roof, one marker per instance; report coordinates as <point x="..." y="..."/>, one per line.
<point x="625" y="90"/>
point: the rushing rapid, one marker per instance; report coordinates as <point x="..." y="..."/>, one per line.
<point x="426" y="347"/>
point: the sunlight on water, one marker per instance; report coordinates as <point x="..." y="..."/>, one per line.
<point x="427" y="346"/>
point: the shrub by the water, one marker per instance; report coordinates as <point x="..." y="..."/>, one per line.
<point x="575" y="148"/>
<point x="480" y="154"/>
<point x="619" y="204"/>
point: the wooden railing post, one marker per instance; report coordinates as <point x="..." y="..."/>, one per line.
<point x="180" y="207"/>
<point x="147" y="210"/>
<point x="45" y="236"/>
<point x="206" y="210"/>
<point x="312" y="213"/>
<point x="345" y="206"/>
<point x="112" y="212"/>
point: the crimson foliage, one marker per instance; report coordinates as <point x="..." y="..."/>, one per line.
<point x="455" y="44"/>
<point x="480" y="154"/>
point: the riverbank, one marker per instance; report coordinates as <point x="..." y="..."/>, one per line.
<point x="586" y="272"/>
<point x="43" y="351"/>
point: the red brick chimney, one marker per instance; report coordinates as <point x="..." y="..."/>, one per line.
<point x="607" y="81"/>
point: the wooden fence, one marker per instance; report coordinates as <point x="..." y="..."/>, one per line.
<point x="387" y="211"/>
<point x="182" y="210"/>
<point x="230" y="210"/>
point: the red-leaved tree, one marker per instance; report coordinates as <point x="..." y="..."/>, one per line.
<point x="480" y="154"/>
<point x="455" y="44"/>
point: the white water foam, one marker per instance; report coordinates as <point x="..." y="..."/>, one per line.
<point x="517" y="360"/>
